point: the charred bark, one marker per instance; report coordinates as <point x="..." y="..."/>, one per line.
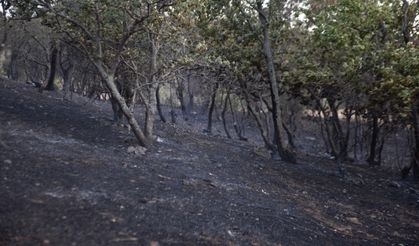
<point x="110" y="82"/>
<point x="223" y="115"/>
<point x="52" y="69"/>
<point x="374" y="140"/>
<point x="211" y="108"/>
<point x="159" y="108"/>
<point x="284" y="153"/>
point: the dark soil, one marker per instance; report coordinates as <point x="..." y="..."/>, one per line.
<point x="66" y="179"/>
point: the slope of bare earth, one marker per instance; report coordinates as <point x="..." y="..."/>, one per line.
<point x="66" y="179"/>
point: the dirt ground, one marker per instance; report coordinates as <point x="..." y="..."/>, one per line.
<point x="66" y="179"/>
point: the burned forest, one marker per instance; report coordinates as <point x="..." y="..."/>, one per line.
<point x="210" y="122"/>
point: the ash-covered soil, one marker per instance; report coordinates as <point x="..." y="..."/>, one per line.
<point x="66" y="179"/>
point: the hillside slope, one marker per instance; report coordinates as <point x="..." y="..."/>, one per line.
<point x="66" y="179"/>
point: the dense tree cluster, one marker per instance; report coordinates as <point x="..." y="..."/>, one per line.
<point x="353" y="63"/>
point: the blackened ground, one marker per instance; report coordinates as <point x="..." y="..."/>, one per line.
<point x="66" y="179"/>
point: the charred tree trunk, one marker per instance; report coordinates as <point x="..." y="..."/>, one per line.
<point x="12" y="72"/>
<point x="151" y="103"/>
<point x="340" y="137"/>
<point x="172" y="107"/>
<point x="67" y="81"/>
<point x="181" y="97"/>
<point x="223" y="114"/>
<point x="263" y="131"/>
<point x="190" y="94"/>
<point x="289" y="136"/>
<point x="415" y="161"/>
<point x="284" y="153"/>
<point x="414" y="164"/>
<point x="374" y="140"/>
<point x="117" y="111"/>
<point x="52" y="69"/>
<point x="158" y="101"/>
<point x="356" y="136"/>
<point x="110" y="82"/>
<point x="407" y="19"/>
<point x="67" y="67"/>
<point x="5" y="32"/>
<point x="236" y="125"/>
<point x="211" y="108"/>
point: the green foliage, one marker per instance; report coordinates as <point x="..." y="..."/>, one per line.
<point x="353" y="54"/>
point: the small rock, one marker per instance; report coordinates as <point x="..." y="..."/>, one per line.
<point x="137" y="150"/>
<point x="154" y="243"/>
<point x="358" y="181"/>
<point x="353" y="220"/>
<point x="262" y="152"/>
<point x="8" y="162"/>
<point x="394" y="184"/>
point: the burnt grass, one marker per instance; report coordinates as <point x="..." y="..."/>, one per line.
<point x="66" y="179"/>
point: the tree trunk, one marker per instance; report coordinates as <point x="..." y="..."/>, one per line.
<point x="406" y="20"/>
<point x="110" y="83"/>
<point x="117" y="111"/>
<point x="415" y="156"/>
<point x="223" y="115"/>
<point x="12" y="72"/>
<point x="211" y="108"/>
<point x="67" y="67"/>
<point x="67" y="81"/>
<point x="52" y="69"/>
<point x="285" y="154"/>
<point x="374" y="140"/>
<point x="158" y="101"/>
<point x="151" y="107"/>
<point x="191" y="95"/>
<point x="3" y="40"/>
<point x="236" y="126"/>
<point x="181" y="97"/>
<point x="289" y="136"/>
<point x="356" y="136"/>
<point x="340" y="137"/>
